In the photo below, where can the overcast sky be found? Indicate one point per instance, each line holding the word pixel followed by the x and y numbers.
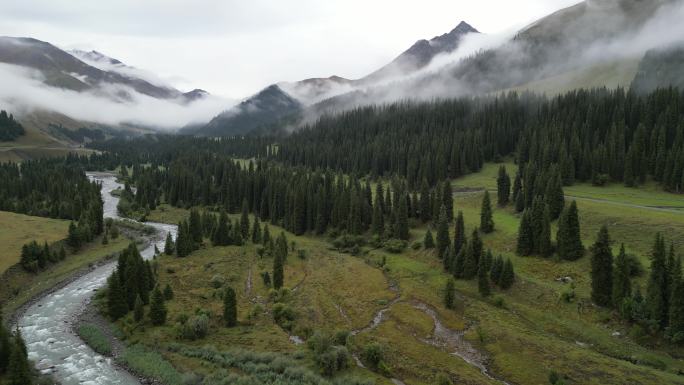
pixel 233 48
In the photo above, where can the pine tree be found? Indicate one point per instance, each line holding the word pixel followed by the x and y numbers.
pixel 18 368
pixel 117 306
pixel 544 237
pixel 497 269
pixel 73 237
pixel 220 237
pixel 448 200
pixel 195 228
pixel 401 224
pixel 158 310
pixel 602 269
pixel 517 190
pixel 168 292
pixel 568 237
pixel 281 246
pixel 622 286
pixel 483 281
pixel 554 195
pixel 443 240
pixel 459 261
pixel 256 230
pixel 676 316
pixel 425 211
pixel 138 309
pixel 486 221
pixel 503 187
pixel 459 233
pixel 244 220
pixel 229 307
pixel 525 244
pixel 5 345
pixel 378 222
pixel 428 242
pixel 278 270
pixel 266 237
pixel 470 262
pixel 450 294
pixel 507 275
pixel 656 292
pixel 520 202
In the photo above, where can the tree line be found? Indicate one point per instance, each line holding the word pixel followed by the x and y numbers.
pixel 10 129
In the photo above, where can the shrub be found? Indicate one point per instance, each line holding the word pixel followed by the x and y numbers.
pixel 194 328
pixel 301 253
pixel 373 355
pixel 636 269
pixel 499 302
pixel 283 315
pixel 342 337
pixel 416 245
pixel 329 357
pixel 395 246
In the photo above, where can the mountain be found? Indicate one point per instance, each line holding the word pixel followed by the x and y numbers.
pixel 660 68
pixel 421 54
pixel 291 98
pixel 260 111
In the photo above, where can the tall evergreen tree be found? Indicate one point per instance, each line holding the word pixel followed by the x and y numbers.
pixel 525 244
pixel 470 261
pixel 507 275
pixel 278 274
pixel 138 309
pixel 568 238
pixel 543 239
pixel 448 200
pixel 378 222
pixel 221 234
pixel 503 186
pixel 168 244
pixel 602 269
pixel 256 230
pixel 450 294
pixel 401 224
pixel 483 281
pixel 229 307
pixel 18 368
pixel 656 292
pixel 497 269
pixel 622 286
pixel 428 241
pixel 117 306
pixel 459 233
pixel 443 241
pixel 486 220
pixel 244 220
pixel 158 310
pixel 554 195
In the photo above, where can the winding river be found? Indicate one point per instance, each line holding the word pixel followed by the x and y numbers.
pixel 47 324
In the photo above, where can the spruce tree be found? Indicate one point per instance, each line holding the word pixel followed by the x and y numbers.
pixel 622 286
pixel 459 261
pixel 74 236
pixel 544 237
pixel 602 269
pixel 507 275
pixel 486 221
pixel 483 281
pixel 256 230
pixel 443 240
pixel 503 187
pixel 266 237
pixel 18 368
pixel 428 241
pixel 425 211
pixel 448 200
pixel 378 220
pixel 281 246
pixel 117 306
pixel 517 190
pixel 138 309
pixel 5 345
pixel 568 238
pixel 459 233
pixel 244 220
pixel 554 195
pixel 278 270
pixel 450 294
pixel 229 307
pixel 497 269
pixel 676 316
pixel 195 228
pixel 656 291
pixel 525 244
pixel 220 237
pixel 470 262
pixel 401 224
pixel 520 202
pixel 158 310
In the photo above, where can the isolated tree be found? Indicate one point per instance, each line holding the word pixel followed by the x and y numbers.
pixel 602 269
pixel 443 240
pixel 117 306
pixel 18 368
pixel 486 221
pixel 168 292
pixel 229 307
pixel 244 220
pixel 158 310
pixel 459 233
pixel 503 187
pixel 278 270
pixel 568 238
pixel 507 275
pixel 138 309
pixel 525 244
pixel 428 241
pixel 450 294
pixel 657 289
pixel 168 244
pixel 622 286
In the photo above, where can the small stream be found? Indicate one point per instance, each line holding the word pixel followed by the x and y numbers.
pixel 47 323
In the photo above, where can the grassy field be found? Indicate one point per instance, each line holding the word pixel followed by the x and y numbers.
pixel 19 229
pixel 521 334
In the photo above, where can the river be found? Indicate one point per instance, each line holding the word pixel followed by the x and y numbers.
pixel 47 324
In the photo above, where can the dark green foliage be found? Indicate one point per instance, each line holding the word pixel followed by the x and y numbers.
pixel 622 286
pixel 158 310
pixel 568 238
pixel 448 199
pixel 401 219
pixel 256 230
pixel 278 266
pixel 428 241
pixel 229 307
pixel 138 309
pixel 244 220
pixel 483 281
pixel 195 228
pixel 35 258
pixel 602 269
pixel 18 368
pixel 184 242
pixel 657 291
pixel 507 275
pixel 5 345
pixel 470 261
pixel 525 245
pixel 117 306
pixel 554 196
pixel 131 279
pixel 168 292
pixel 443 240
pixel 503 187
pixel 330 357
pixel 221 236
pixel 10 129
pixel 169 245
pixel 497 269
pixel 486 220
pixel 543 239
pixel 450 294
pixel 459 233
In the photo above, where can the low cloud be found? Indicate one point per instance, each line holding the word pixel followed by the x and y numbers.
pixel 24 90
